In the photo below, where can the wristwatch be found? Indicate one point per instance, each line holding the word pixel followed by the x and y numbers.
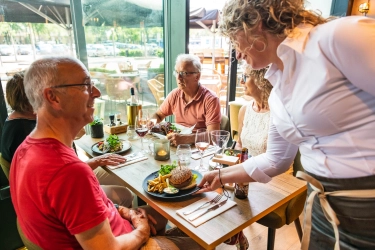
pixel 116 206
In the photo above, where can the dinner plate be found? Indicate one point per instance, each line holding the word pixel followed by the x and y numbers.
pixel 125 146
pixel 160 136
pixel 181 193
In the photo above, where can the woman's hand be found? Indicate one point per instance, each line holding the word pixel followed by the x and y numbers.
pixel 210 182
pixel 106 159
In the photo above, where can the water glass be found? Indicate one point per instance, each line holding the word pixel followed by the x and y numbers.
pixel 184 153
pixel 131 133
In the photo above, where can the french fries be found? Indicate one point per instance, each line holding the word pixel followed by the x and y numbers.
pixel 158 184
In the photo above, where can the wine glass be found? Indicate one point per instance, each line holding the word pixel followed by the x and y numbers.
pixel 183 153
pixel 220 139
pixel 141 127
pixel 202 141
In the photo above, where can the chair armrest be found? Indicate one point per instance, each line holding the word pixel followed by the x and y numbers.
pixel 4 193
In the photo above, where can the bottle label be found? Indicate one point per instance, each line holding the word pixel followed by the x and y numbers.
pixel 241 190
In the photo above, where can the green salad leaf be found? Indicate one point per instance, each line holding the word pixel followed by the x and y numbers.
pixel 166 169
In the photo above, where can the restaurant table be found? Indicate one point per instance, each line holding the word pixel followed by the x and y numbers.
pixel 262 198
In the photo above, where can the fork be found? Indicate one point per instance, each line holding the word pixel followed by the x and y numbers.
pixel 213 201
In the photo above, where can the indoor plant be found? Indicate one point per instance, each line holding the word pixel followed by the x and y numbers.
pixel 96 128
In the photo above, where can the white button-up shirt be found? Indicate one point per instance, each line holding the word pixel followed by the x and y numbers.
pixel 323 102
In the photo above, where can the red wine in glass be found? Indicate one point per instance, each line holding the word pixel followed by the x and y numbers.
pixel 141 131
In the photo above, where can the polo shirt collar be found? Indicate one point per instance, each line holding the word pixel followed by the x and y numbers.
pixel 297 42
pixel 197 95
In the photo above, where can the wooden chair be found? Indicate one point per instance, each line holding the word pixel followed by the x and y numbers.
pixel 144 66
pixel 287 213
pixel 9 236
pixel 234 109
pixel 157 89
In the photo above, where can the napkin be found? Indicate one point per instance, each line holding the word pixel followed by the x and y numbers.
pixel 209 151
pixel 129 162
pixel 208 216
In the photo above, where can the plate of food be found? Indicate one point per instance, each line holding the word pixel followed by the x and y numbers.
pixel 181 178
pixel 228 152
pixel 165 128
pixel 111 145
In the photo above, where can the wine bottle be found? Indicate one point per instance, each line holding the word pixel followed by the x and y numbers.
pixel 132 108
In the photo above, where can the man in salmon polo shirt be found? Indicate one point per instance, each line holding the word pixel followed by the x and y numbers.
pixel 190 102
pixel 57 198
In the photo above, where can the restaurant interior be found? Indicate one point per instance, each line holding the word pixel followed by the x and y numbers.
pixel 134 44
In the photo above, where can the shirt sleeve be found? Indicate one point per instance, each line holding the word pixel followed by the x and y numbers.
pixel 166 108
pixel 212 109
pixel 276 160
pixel 351 49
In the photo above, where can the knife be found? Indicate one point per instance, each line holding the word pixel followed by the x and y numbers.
pixel 207 210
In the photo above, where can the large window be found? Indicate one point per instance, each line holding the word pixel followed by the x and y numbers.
pixel 123 40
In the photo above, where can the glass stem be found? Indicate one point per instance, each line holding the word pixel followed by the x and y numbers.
pixel 201 164
pixel 142 142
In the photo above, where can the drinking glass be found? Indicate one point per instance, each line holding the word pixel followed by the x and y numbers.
pixel 220 139
pixel 141 127
pixel 202 141
pixel 183 153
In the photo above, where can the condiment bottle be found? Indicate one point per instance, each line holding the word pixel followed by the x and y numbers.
pixel 241 190
pixel 132 108
pixel 244 155
pixel 118 119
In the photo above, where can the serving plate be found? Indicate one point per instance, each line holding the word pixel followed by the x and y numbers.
pixel 181 193
pixel 126 145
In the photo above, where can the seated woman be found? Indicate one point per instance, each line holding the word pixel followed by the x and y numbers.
pixel 253 118
pixel 22 121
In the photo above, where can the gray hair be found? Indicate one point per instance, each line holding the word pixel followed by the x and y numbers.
pixel 193 59
pixel 41 74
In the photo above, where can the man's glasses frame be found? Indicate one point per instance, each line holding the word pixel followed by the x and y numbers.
pixel 89 86
pixel 183 74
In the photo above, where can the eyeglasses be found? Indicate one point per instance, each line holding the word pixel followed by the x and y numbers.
pixel 183 74
pixel 244 77
pixel 89 86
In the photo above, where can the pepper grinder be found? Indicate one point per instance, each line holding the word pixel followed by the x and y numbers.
pixel 112 120
pixel 118 120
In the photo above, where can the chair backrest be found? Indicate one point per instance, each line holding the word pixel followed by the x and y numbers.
pixel 30 245
pixel 234 109
pixel 224 124
pixel 5 165
pixel 157 89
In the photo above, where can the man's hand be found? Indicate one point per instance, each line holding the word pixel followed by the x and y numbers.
pixel 139 220
pixel 106 159
pixel 177 139
pixel 150 220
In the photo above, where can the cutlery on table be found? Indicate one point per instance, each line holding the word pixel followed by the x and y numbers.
pixel 214 200
pixel 208 210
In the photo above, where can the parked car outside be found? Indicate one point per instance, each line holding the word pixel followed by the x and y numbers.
pixel 25 49
pixel 59 49
pixel 110 51
pixel 95 50
pixel 6 50
pixel 44 49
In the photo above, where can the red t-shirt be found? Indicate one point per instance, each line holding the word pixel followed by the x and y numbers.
pixel 56 195
pixel 202 110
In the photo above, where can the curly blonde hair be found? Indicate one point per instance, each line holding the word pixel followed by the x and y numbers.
pixel 262 83
pixel 277 17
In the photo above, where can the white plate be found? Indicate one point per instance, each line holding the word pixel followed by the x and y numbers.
pixel 160 136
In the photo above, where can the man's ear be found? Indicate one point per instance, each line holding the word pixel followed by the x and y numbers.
pixel 51 98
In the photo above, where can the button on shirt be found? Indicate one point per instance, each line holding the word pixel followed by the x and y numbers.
pixel 323 101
